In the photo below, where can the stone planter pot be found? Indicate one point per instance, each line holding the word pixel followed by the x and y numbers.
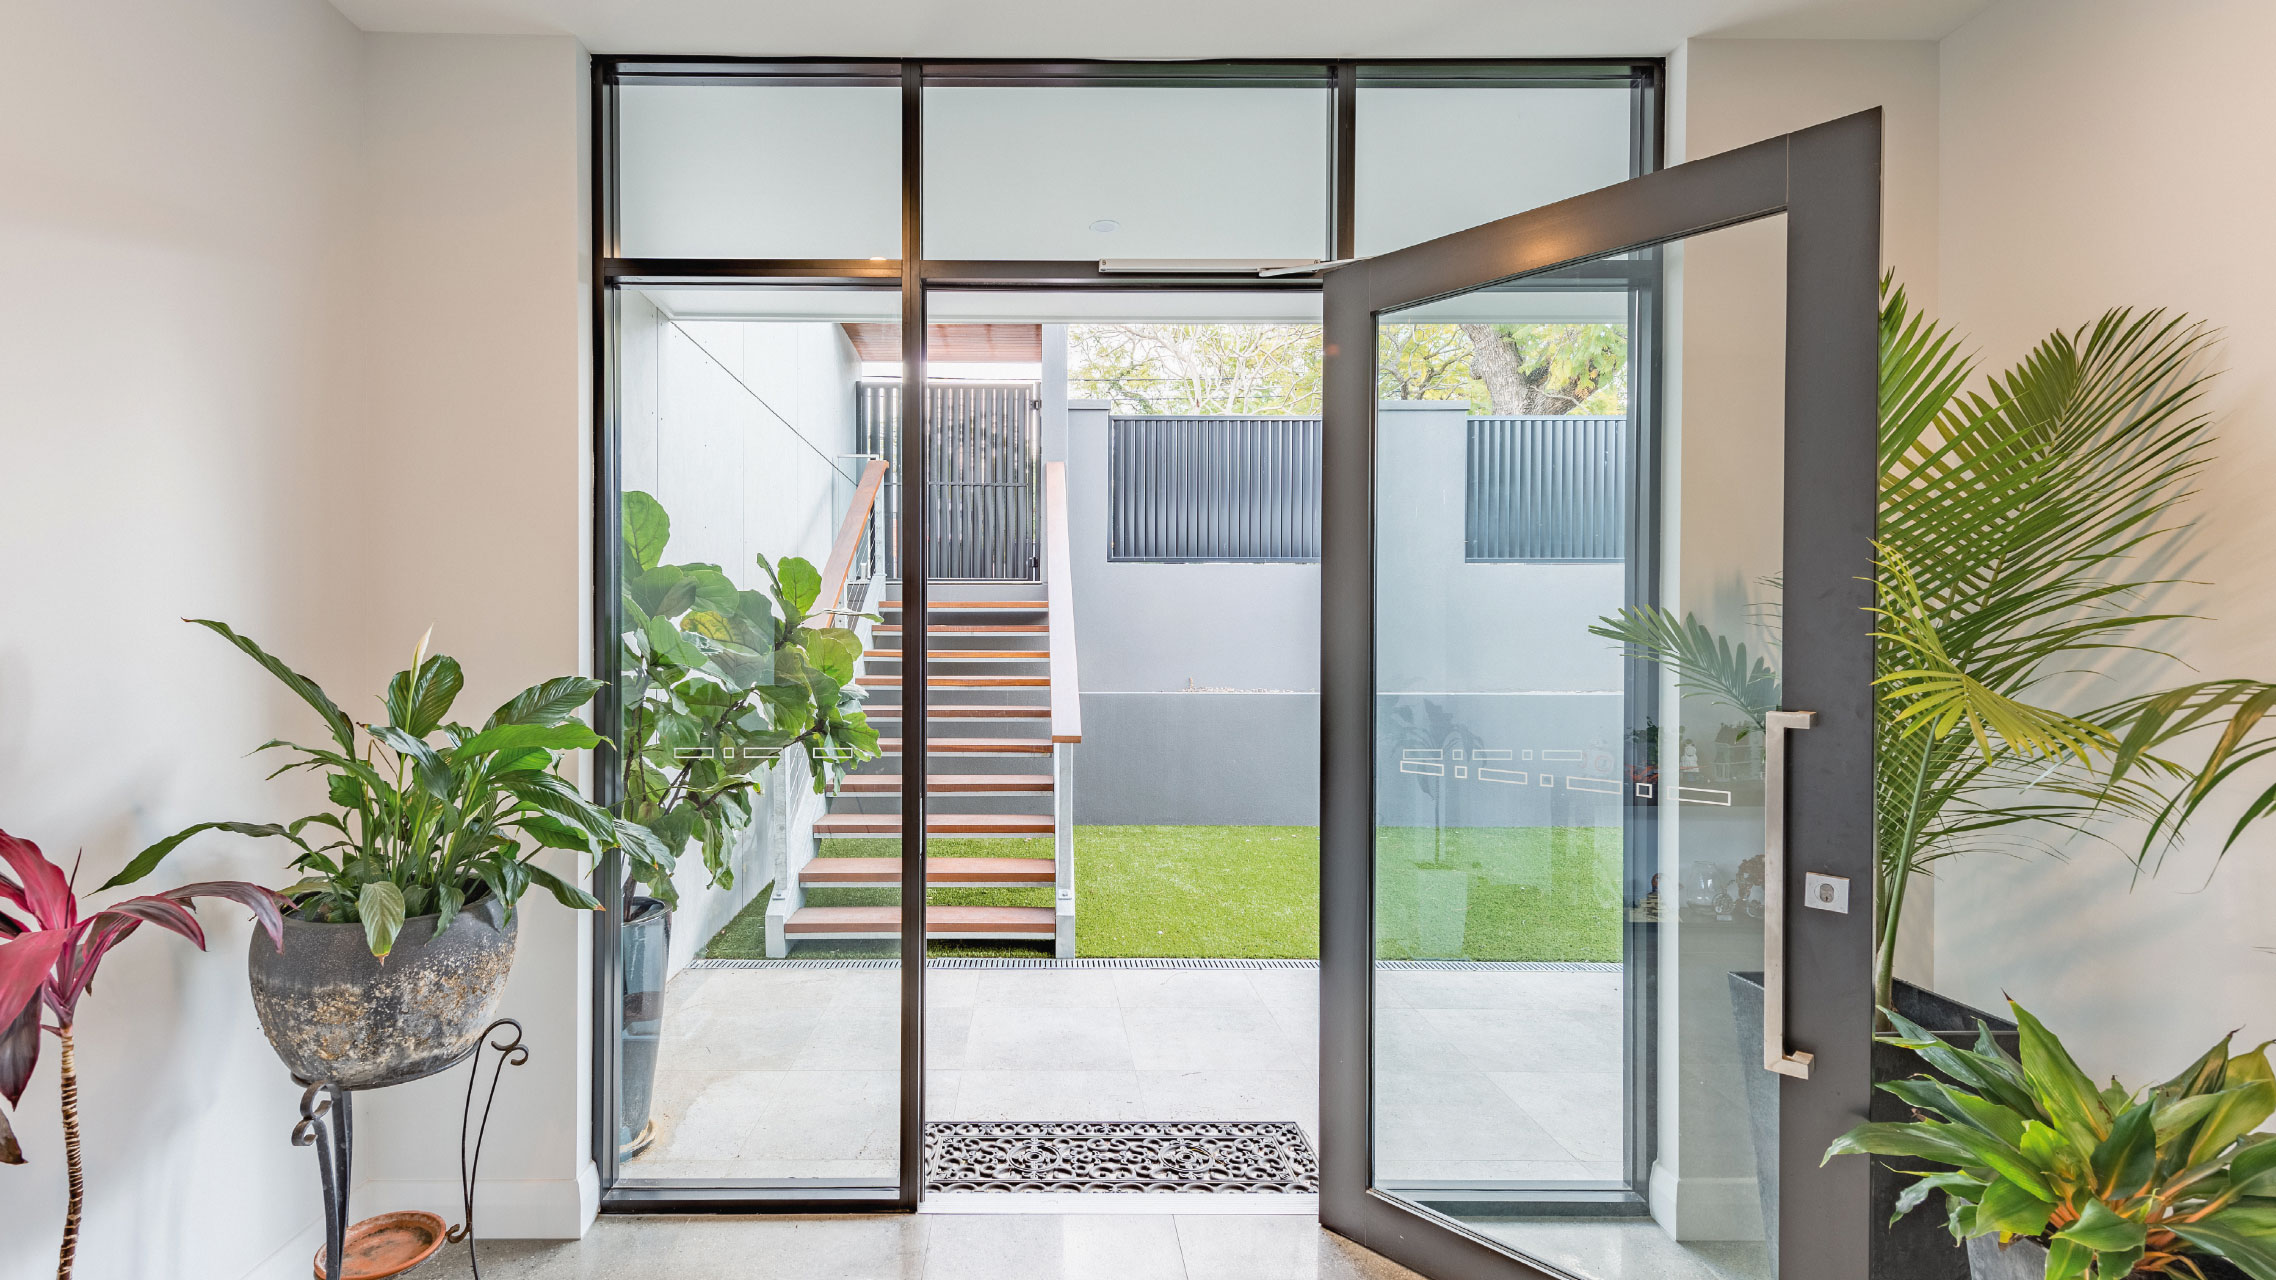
pixel 333 1011
pixel 646 949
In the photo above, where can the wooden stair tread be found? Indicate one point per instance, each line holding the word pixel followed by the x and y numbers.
pixel 1019 921
pixel 969 655
pixel 951 824
pixel 1007 711
pixel 860 784
pixel 944 746
pixel 963 682
pixel 949 871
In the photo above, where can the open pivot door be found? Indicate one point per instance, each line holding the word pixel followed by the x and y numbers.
pixel 1577 1016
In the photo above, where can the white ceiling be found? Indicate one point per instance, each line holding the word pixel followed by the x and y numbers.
pixel 1167 28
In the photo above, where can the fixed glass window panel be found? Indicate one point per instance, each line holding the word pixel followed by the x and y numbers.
pixel 1085 173
pixel 1434 160
pixel 747 504
pixel 758 171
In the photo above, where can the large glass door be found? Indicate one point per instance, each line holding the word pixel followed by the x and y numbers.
pixel 1596 699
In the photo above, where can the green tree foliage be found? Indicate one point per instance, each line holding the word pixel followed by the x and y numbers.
pixel 1274 369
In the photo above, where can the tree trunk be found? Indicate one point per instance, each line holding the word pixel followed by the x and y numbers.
pixel 1496 360
pixel 75 1175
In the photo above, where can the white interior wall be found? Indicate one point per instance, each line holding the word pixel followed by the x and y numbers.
pixel 175 422
pixel 2097 153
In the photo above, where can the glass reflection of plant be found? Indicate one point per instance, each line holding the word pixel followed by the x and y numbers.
pixel 718 683
pixel 2015 524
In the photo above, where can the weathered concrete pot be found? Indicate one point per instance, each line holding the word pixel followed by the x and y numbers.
pixel 333 1011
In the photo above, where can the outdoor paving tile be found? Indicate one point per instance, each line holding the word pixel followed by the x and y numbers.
pixel 1494 1040
pixel 1280 988
pixel 853 1039
pixel 1577 994
pixel 1609 1250
pixel 1193 1039
pixel 1582 1110
pixel 1048 1095
pixel 1185 989
pixel 1047 988
pixel 952 988
pixel 824 1115
pixel 948 1031
pixel 1233 1095
pixel 1053 1247
pixel 1410 1137
pixel 1439 1088
pixel 1010 1038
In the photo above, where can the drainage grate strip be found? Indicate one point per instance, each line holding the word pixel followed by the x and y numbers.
pixel 1155 962
pixel 1222 1156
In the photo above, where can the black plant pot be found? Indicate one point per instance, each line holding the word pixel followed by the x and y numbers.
pixel 333 1011
pixel 1918 1247
pixel 647 952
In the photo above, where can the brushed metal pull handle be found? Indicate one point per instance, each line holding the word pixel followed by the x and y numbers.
pixel 1774 1054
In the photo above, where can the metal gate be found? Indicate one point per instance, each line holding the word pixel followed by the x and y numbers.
pixel 984 487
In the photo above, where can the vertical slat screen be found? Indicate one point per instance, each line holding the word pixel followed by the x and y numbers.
pixel 1547 489
pixel 1213 488
pixel 984 493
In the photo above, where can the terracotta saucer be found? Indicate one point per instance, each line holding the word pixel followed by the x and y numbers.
pixel 387 1245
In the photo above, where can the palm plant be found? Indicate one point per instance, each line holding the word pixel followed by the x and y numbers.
pixel 2019 529
pixel 50 948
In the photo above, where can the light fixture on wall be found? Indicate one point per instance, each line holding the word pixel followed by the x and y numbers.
pixel 1105 225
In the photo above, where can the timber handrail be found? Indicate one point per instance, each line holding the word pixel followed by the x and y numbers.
pixel 1059 595
pixel 839 567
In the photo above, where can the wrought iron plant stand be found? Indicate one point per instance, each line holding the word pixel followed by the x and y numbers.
pixel 327 1123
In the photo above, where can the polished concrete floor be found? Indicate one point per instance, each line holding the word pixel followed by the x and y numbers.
pixel 1483 1073
pixel 933 1247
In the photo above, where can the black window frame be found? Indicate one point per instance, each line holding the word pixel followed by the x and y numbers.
pixel 914 275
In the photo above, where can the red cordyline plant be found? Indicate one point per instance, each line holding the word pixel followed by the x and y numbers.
pixel 49 951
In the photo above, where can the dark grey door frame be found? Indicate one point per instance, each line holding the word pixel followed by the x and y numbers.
pixel 1826 180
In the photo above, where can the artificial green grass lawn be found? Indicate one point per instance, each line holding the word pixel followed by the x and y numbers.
pixel 1522 893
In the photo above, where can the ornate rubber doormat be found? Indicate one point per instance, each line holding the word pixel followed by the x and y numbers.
pixel 1120 1155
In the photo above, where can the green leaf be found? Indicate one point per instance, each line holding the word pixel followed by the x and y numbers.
pixel 380 906
pixel 417 704
pixel 552 833
pixel 1957 1185
pixel 565 893
pixel 572 736
pixel 549 703
pixel 1941 1099
pixel 2046 1148
pixel 2254 1251
pixel 799 584
pixel 447 903
pixel 2202 1076
pixel 147 861
pixel 2068 1259
pixel 833 651
pixel 646 529
pixel 433 775
pixel 342 732
pixel 2125 1161
pixel 2101 1229
pixel 2012 1208
pixel 2235 1113
pixel 2252 1170
pixel 2064 1092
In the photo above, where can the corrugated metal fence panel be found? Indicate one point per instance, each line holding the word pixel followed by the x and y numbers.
pixel 1547 489
pixel 984 486
pixel 1213 488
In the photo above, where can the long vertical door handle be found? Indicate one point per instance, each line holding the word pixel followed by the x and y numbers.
pixel 1774 1054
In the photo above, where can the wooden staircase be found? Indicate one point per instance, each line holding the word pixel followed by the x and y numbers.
pixel 1003 717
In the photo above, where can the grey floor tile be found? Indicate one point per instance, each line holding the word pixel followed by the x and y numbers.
pixel 1231 1247
pixel 1048 1095
pixel 1175 1039
pixel 1011 1038
pixel 1053 1247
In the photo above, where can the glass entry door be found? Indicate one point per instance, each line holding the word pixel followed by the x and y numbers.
pixel 1596 698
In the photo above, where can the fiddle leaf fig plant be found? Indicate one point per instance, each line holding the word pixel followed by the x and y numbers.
pixel 719 682
pixel 2115 1182
pixel 427 815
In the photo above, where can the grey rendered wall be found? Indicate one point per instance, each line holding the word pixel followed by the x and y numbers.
pixel 1200 681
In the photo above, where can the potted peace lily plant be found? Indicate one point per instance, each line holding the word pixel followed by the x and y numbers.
pixel 2044 1175
pixel 400 933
